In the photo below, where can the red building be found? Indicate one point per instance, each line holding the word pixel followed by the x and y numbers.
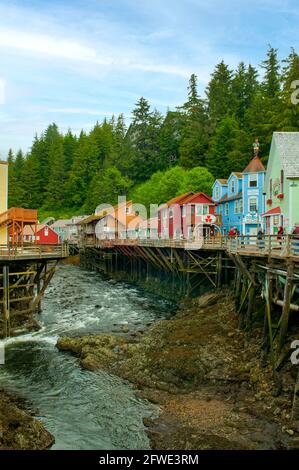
pixel 180 217
pixel 44 235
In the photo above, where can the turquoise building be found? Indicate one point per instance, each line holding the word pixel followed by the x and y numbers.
pixel 240 199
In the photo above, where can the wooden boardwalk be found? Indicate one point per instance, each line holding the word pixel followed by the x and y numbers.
pixel 25 273
pixel 33 252
pixel 270 246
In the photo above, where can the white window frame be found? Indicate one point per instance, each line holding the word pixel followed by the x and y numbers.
pixel 205 209
pixel 184 211
pixel 236 206
pixel 170 212
pixel 233 186
pixel 217 194
pixel 249 203
pixel 241 206
pixel 198 209
pixel 226 209
pixel 253 177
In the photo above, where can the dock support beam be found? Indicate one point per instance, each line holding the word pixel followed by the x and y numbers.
pixel 6 302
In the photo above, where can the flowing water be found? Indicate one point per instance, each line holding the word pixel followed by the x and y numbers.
pixel 82 409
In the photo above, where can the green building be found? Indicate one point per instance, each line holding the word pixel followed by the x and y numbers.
pixel 282 183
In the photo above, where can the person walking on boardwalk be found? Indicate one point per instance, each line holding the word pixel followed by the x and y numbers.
pixel 260 238
pixel 279 234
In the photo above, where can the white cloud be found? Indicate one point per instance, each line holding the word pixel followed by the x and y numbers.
pixel 47 45
pixel 70 49
pixel 83 111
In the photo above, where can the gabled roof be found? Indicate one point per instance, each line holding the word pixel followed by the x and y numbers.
pixel 222 180
pixel 255 166
pixel 29 229
pixel 198 195
pixel 275 210
pixel 287 144
pixel 179 199
pixel 238 174
pixel 60 223
pixel 109 210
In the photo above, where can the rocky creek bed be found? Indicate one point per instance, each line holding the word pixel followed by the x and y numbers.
pixel 19 430
pixel 205 374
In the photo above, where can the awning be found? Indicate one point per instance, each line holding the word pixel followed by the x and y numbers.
pixel 274 211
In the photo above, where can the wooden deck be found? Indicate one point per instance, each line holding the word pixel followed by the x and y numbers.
pixel 270 246
pixel 33 252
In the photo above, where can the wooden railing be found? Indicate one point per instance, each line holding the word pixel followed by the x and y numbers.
pixel 33 251
pixel 274 245
pixel 270 245
pixel 18 214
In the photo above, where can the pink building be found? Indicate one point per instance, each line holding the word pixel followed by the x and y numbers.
pixel 183 215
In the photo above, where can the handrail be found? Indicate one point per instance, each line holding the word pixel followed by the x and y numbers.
pixel 266 245
pixel 40 251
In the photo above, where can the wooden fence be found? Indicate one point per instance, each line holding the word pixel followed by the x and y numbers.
pixel 8 252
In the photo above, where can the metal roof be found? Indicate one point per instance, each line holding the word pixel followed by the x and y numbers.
pixel 287 144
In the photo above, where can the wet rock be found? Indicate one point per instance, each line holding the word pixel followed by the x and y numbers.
pixel 95 352
pixel 18 429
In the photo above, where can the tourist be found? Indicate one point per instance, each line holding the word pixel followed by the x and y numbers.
pixel 279 234
pixel 260 238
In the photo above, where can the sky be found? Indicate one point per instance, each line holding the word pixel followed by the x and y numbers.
pixel 74 62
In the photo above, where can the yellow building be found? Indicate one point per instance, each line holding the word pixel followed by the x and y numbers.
pixel 3 198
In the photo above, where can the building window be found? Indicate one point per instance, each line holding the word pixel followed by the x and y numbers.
pixel 226 209
pixel 232 186
pixel 170 212
pixel 217 192
pixel 199 209
pixel 236 207
pixel 165 214
pixel 281 181
pixel 253 204
pixel 184 211
pixel 241 206
pixel 252 182
pixel 46 231
pixel 276 220
pixel 271 188
pixel 205 209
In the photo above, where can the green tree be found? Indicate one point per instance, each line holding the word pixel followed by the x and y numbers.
pixel 271 81
pixel 219 94
pixel 222 143
pixel 55 190
pixel 194 143
pixel 170 137
pixel 86 164
pixel 105 188
pixel 288 118
pixel 142 143
pixel 198 179
pixel 244 88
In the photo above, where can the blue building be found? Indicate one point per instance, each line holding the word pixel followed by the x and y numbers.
pixel 240 199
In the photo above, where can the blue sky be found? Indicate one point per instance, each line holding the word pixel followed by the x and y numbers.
pixel 74 62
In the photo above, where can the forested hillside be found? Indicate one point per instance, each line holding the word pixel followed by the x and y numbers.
pixel 157 156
